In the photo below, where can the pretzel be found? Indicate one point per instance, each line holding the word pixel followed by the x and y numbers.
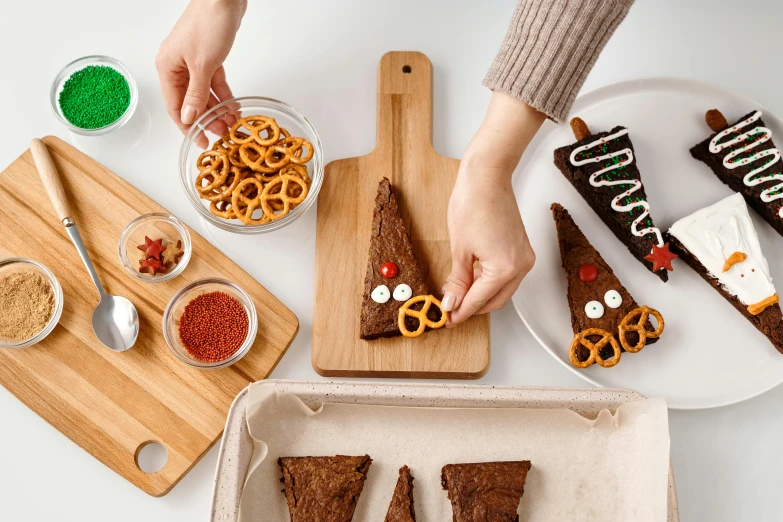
pixel 421 315
pixel 214 168
pixel 294 147
pixel 224 191
pixel 222 209
pixel 252 155
pixel 277 157
pixel 581 339
pixel 244 204
pixel 580 129
pixel 256 125
pixel 284 195
pixel 295 169
pixel 639 327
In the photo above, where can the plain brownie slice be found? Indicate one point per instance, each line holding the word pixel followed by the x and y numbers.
pixel 323 489
pixel 401 506
pixel 485 491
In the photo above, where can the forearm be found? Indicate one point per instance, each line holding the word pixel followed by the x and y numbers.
pixel 508 128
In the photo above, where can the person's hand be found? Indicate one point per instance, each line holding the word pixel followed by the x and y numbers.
pixel 190 61
pixel 484 220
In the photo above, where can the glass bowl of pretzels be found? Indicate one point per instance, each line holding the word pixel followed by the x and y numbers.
pixel 251 165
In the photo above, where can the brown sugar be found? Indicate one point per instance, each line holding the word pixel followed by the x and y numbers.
pixel 26 305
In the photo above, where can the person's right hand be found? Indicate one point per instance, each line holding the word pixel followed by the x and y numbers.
pixel 190 61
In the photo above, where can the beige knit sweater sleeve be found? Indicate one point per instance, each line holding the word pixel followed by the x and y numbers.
pixel 550 47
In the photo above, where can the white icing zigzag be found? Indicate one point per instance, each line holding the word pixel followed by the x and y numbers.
pixel 769 194
pixel 635 183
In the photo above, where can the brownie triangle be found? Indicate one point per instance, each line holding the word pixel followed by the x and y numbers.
pixel 735 177
pixel 607 151
pixel 591 281
pixel 389 243
pixel 323 489
pixel 401 506
pixel 707 241
pixel 485 491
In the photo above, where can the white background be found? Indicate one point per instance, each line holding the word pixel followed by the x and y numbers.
pixel 321 57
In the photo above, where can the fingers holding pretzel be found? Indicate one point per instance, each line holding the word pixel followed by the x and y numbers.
pixel 421 315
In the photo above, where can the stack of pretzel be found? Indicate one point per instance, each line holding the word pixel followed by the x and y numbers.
pixel 255 173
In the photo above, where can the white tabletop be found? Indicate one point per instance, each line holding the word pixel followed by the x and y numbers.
pixel 726 461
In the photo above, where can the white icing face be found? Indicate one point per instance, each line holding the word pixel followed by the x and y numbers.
pixel 380 294
pixel 613 299
pixel 403 292
pixel 594 310
pixel 713 234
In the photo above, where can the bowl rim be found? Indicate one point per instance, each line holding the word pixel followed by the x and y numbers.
pixel 186 243
pixel 301 209
pixel 252 330
pixel 58 303
pixel 115 64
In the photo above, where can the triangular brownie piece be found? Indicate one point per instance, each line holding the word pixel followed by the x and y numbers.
pixel 485 491
pixel 720 243
pixel 760 163
pixel 401 506
pixel 596 296
pixel 393 274
pixel 323 489
pixel 602 167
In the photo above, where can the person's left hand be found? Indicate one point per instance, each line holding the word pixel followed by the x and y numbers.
pixel 484 226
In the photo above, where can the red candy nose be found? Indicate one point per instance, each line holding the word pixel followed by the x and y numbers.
pixel 388 270
pixel 588 273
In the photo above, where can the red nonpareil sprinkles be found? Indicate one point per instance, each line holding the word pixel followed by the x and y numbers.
pixel 213 327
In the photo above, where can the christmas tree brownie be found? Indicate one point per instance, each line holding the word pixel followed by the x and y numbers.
pixel 720 243
pixel 401 505
pixel 485 491
pixel 602 310
pixel 743 156
pixel 603 170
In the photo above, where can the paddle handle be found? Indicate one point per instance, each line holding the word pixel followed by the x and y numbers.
pixel 51 179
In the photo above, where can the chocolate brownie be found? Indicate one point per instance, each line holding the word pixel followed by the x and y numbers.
pixel 485 491
pixel 323 489
pixel 734 178
pixel 600 197
pixel 389 243
pixel 767 322
pixel 401 506
pixel 589 280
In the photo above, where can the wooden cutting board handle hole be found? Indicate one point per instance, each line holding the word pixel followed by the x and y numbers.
pixel 151 456
pixel 406 69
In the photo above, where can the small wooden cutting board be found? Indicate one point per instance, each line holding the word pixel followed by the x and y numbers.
pixel 113 404
pixel 422 180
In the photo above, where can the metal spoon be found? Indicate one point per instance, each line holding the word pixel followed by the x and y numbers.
pixel 115 320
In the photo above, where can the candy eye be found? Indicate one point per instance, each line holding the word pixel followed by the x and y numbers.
pixel 594 310
pixel 403 292
pixel 613 299
pixel 381 294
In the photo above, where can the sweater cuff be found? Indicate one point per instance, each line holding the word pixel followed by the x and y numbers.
pixel 550 47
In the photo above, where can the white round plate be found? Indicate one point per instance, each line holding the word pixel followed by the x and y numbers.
pixel 709 355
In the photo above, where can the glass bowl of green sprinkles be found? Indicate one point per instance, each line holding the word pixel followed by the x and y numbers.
pixel 94 95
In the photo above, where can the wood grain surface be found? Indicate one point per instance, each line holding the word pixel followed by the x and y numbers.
pixel 422 180
pixel 112 404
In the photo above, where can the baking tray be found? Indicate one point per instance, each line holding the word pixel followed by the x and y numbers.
pixel 236 446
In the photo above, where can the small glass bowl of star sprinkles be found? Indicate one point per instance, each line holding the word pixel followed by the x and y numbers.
pixel 155 248
pixel 94 95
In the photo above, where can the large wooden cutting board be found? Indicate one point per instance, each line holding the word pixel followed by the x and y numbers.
pixel 422 180
pixel 112 404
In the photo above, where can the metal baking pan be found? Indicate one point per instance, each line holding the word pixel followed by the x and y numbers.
pixel 236 446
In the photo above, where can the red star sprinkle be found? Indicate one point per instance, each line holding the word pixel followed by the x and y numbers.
pixel 152 249
pixel 151 266
pixel 661 257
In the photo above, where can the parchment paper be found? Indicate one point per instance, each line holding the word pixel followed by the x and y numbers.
pixel 614 468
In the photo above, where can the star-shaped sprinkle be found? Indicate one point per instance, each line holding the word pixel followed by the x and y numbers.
pixel 661 257
pixel 152 249
pixel 173 253
pixel 151 266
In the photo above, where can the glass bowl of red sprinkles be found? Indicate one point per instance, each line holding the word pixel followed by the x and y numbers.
pixel 210 324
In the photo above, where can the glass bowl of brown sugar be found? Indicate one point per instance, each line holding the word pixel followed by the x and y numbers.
pixel 31 302
pixel 210 324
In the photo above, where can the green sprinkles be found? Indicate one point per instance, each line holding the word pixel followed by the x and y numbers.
pixel 94 97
